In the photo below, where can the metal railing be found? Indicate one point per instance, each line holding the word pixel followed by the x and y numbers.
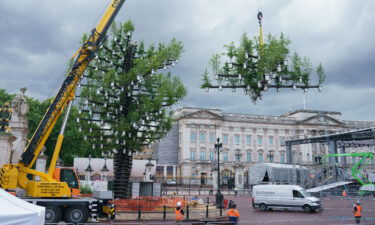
pixel 201 191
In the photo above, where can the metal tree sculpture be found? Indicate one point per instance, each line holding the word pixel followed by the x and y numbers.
pixel 256 66
pixel 125 102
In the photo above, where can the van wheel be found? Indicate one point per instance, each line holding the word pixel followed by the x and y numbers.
pixel 307 208
pixel 76 214
pixel 52 214
pixel 263 207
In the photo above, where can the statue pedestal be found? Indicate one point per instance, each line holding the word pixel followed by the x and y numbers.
pixel 6 145
pixel 239 177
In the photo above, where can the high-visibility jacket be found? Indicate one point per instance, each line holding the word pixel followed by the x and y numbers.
pixel 344 193
pixel 358 211
pixel 179 215
pixel 233 214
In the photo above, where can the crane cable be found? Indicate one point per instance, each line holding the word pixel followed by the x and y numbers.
pixel 260 17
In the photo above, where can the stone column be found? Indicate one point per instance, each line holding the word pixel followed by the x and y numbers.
pixel 165 171
pixel 40 164
pixel 174 172
pixel 6 144
pixel 239 177
pixel 289 154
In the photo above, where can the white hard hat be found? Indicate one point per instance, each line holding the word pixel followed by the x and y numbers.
pixel 179 204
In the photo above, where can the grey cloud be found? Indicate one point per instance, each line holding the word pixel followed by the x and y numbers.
pixel 40 36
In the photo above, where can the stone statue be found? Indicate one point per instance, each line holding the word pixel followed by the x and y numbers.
pixel 19 104
pixel 18 124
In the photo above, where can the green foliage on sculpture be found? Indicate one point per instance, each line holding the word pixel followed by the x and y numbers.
pixel 125 102
pixel 255 68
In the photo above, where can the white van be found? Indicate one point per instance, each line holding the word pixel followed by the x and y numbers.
pixel 283 196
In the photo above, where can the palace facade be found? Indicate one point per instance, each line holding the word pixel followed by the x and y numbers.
pixel 189 148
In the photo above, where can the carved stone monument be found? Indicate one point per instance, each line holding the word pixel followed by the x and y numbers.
pixel 6 140
pixel 19 125
pixel 239 176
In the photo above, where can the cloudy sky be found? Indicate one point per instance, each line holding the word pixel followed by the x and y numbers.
pixel 39 36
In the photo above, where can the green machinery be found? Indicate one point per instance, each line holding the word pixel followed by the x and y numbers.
pixel 357 169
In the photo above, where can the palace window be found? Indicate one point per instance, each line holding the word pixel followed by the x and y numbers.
pixel 260 140
pixel 282 157
pixel 270 156
pixel 270 140
pixel 237 139
pixel 248 156
pixel 225 139
pixel 193 137
pixel 212 137
pixel 203 156
pixel 192 155
pixel 260 157
pixel 248 139
pixel 282 140
pixel 202 137
pixel 212 156
pixel 225 156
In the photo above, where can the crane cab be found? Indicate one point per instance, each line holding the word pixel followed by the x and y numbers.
pixel 69 176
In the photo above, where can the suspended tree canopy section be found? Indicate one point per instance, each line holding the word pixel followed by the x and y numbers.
pixel 256 67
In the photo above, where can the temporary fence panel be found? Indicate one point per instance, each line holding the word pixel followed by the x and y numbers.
pixel 148 203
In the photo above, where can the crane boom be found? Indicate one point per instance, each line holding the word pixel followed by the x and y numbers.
pixel 66 92
pixel 356 169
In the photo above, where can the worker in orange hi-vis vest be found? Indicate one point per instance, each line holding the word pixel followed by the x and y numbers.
pixel 344 194
pixel 233 214
pixel 179 212
pixel 357 212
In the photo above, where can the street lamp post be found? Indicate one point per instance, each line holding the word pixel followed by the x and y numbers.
pixel 218 196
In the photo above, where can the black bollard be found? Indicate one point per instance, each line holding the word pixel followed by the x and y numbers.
pixel 139 212
pixel 187 212
pixel 206 211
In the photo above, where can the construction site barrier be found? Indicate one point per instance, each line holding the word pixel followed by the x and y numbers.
pixel 148 203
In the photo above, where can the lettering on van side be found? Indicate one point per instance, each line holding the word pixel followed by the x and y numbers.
pixel 265 192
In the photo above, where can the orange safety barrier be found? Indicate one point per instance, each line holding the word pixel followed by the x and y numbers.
pixel 148 203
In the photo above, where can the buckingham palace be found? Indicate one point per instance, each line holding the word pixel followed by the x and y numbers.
pixel 189 148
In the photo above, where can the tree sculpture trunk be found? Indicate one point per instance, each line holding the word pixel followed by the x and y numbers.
pixel 122 169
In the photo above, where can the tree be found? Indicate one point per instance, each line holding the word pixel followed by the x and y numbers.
pixel 256 67
pixel 125 103
pixel 5 97
pixel 73 144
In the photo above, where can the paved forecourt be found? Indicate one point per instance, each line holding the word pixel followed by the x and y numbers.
pixel 336 211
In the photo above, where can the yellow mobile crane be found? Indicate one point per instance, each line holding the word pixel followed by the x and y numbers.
pixel 55 190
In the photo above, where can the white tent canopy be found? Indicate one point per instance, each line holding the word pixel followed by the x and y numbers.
pixel 274 172
pixel 15 211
